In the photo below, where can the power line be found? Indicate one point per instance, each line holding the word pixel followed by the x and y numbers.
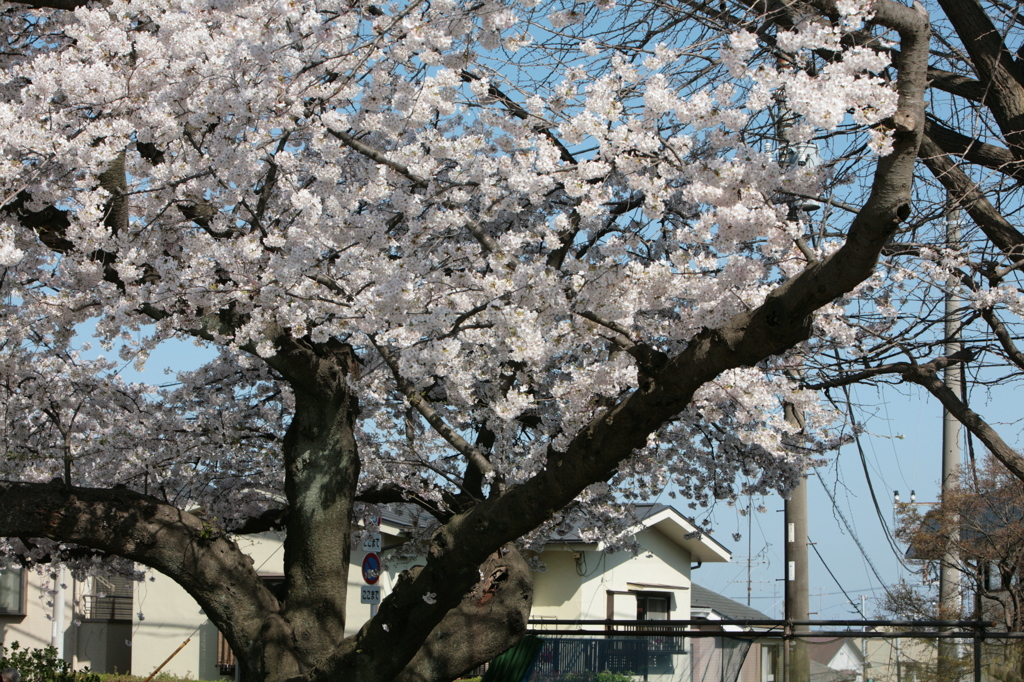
pixel 871 489
pixel 852 532
pixel 822 560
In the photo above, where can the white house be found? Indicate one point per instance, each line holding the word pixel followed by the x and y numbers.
pixel 585 582
pixel 835 660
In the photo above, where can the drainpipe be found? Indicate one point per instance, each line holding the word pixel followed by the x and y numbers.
pixel 57 629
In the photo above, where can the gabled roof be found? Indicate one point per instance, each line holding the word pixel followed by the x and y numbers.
pixel 825 650
pixel 397 518
pixel 670 523
pixel 683 532
pixel 728 609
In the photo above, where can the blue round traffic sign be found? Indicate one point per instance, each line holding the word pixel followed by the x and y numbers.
pixel 371 568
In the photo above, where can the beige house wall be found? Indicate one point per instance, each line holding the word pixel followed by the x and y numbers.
pixel 34 629
pixel 557 591
pixel 614 580
pixel 897 660
pixel 171 616
pixel 99 645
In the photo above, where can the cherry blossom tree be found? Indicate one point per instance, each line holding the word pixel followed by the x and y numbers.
pixel 518 264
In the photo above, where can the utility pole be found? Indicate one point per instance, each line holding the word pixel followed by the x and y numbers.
pixel 949 573
pixel 797 581
pixel 796 659
pixel 750 545
pixel 797 595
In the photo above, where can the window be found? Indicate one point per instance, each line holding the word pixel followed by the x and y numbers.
pixel 12 592
pixel 993 579
pixel 109 599
pixel 654 606
pixel 225 656
pixel 771 662
pixel 660 646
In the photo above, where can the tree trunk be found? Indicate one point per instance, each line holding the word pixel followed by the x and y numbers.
pixel 321 471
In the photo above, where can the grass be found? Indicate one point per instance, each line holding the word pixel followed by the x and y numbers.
pixel 162 677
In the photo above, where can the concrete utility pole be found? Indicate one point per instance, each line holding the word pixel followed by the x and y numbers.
pixel 797 607
pixel 797 580
pixel 796 660
pixel 949 574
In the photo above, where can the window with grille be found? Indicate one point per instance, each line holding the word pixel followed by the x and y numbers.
pixel 109 599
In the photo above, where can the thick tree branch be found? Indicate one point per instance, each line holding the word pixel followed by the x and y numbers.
pixel 321 464
pixel 972 150
pixel 956 84
pixel 390 493
pixel 1004 235
pixel 935 365
pixel 271 519
pixel 994 66
pixel 194 553
pixel 927 376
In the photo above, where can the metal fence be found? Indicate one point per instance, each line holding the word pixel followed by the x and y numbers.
pixel 776 651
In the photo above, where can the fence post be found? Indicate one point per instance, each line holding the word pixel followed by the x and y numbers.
pixel 979 637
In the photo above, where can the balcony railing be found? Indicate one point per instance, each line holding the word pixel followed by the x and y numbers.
pixel 115 608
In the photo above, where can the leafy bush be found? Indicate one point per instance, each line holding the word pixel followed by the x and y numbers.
pixel 608 676
pixel 42 665
pixel 604 676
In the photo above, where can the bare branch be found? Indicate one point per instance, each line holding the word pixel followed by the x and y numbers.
pixel 927 377
pixel 379 156
pixel 1005 338
pixel 1004 235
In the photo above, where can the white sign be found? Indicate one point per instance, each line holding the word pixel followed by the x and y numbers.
pixel 369 594
pixel 371 542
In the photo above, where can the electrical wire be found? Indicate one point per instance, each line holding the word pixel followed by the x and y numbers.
pixel 853 533
pixel 835 579
pixel 871 489
pixel 892 441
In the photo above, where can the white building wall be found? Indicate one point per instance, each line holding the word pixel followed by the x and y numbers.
pixel 170 615
pixel 662 563
pixel 34 628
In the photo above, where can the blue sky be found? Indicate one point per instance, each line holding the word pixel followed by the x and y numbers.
pixel 903 452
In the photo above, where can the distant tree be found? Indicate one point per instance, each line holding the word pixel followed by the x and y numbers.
pixel 982 521
pixel 979 528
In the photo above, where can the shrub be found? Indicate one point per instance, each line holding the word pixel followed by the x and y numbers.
pixel 42 665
